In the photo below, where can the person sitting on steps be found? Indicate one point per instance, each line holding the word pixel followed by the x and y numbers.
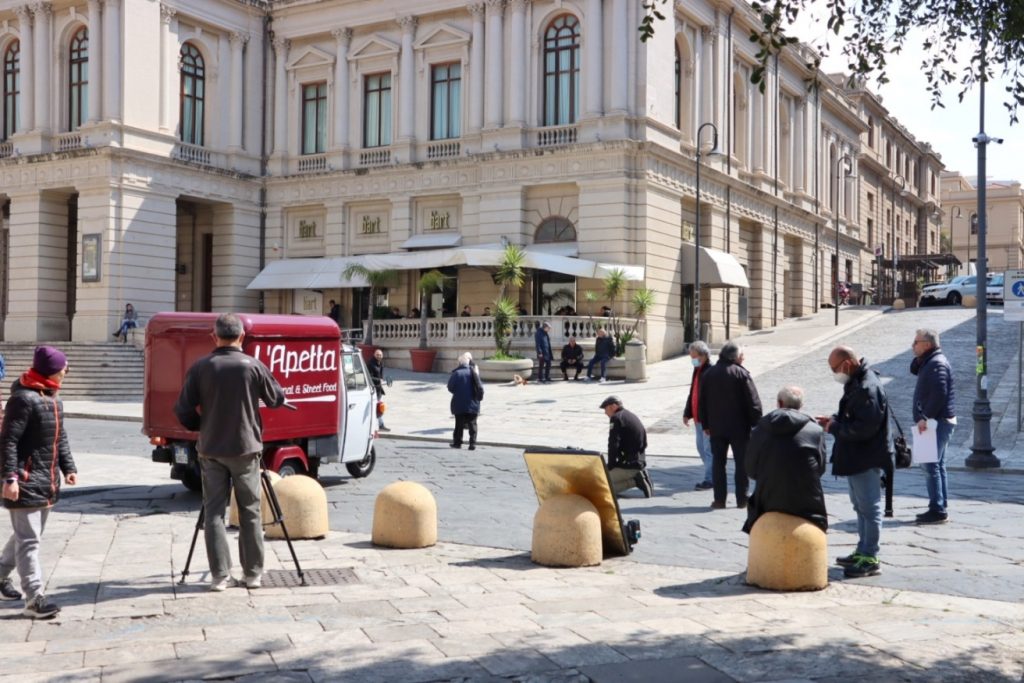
pixel 129 322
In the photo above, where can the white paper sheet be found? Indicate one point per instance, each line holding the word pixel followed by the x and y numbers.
pixel 926 445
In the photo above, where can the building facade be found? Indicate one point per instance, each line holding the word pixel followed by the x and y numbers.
pixel 220 154
pixel 1004 233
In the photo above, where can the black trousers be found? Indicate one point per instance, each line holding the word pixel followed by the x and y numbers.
pixel 719 451
pixel 576 364
pixel 543 368
pixel 461 423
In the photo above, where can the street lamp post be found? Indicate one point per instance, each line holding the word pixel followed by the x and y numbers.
pixel 902 182
pixel 696 231
pixel 955 212
pixel 982 451
pixel 972 229
pixel 842 162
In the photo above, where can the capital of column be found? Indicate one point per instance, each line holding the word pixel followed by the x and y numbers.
pixel 518 5
pixel 238 38
pixel 408 24
pixel 281 46
pixel 342 35
pixel 167 14
pixel 44 8
pixel 476 9
pixel 709 34
pixel 24 13
pixel 495 6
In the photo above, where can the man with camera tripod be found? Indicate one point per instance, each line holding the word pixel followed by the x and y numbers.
pixel 220 398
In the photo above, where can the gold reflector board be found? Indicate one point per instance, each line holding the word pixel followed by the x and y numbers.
pixel 559 471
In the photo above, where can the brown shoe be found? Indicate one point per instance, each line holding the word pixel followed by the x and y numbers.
pixel 718 505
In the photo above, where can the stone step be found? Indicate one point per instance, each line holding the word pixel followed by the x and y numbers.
pixel 98 370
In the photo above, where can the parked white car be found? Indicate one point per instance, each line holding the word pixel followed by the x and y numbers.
pixel 994 289
pixel 951 292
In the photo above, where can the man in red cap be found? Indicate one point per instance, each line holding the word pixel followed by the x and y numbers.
pixel 33 446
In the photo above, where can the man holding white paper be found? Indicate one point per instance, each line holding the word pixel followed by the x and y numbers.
pixel 933 410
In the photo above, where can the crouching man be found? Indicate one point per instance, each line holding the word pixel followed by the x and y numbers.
pixel 627 442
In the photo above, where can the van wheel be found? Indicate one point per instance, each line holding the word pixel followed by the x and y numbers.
pixel 290 468
pixel 954 298
pixel 363 467
pixel 192 478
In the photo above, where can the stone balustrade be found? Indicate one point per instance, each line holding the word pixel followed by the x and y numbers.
pixel 478 331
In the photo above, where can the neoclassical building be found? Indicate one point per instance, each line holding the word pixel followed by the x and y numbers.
pixel 230 154
pixel 1004 234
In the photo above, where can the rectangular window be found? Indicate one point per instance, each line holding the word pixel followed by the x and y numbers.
pixel 871 232
pixel 446 101
pixel 871 201
pixel 314 118
pixel 377 110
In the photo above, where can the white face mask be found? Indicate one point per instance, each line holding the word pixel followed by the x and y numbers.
pixel 841 377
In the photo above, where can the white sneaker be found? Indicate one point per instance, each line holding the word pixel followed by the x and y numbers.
pixel 253 582
pixel 602 380
pixel 221 583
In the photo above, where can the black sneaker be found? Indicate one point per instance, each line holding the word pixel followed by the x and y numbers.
pixel 865 566
pixel 932 517
pixel 704 486
pixel 643 481
pixel 8 591
pixel 848 560
pixel 39 608
pixel 455 445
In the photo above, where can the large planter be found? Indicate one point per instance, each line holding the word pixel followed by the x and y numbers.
pixel 367 351
pixel 422 359
pixel 503 370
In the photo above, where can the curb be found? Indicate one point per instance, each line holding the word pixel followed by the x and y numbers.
pixel 100 416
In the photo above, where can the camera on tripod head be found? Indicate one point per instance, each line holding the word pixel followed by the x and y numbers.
pixel 632 529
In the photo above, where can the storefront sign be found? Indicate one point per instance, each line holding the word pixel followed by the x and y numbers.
pixel 371 225
pixel 440 220
pixel 307 229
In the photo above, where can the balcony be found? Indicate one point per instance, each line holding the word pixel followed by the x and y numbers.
pixel 65 142
pixel 6 149
pixel 444 149
pixel 312 163
pixel 193 154
pixel 378 156
pixel 552 136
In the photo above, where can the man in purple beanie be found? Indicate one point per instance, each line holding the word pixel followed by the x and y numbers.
pixel 33 446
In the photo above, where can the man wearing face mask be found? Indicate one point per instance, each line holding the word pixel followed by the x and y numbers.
pixel 862 450
pixel 700 357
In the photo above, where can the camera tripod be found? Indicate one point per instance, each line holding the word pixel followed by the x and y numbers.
pixel 278 518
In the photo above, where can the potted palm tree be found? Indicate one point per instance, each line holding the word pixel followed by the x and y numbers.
pixel 503 365
pixel 422 357
pixel 376 279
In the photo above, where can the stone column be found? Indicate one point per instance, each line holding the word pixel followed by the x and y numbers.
pixel 27 100
pixel 757 136
pixel 798 135
pixel 517 65
pixel 238 41
pixel 342 38
pixel 476 70
pixel 168 65
pixel 593 59
pixel 495 57
pixel 44 48
pixel 96 57
pixel 707 76
pixel 407 80
pixel 281 46
pixel 111 60
pixel 619 101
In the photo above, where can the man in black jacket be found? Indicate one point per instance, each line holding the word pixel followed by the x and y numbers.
pixel 34 453
pixel 604 351
pixel 728 408
pixel 862 450
pixel 227 386
pixel 627 442
pixel 572 357
pixel 786 457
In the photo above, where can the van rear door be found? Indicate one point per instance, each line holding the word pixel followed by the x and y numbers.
pixel 360 408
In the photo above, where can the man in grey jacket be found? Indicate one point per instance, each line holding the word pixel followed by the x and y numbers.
pixel 226 388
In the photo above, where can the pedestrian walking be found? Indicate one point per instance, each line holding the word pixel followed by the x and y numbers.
pixel 335 312
pixel 467 392
pixel 700 357
pixel 728 408
pixel 627 444
pixel 377 377
pixel 542 344
pixel 220 399
pixel 933 409
pixel 35 454
pixel 604 351
pixel 861 452
pixel 786 457
pixel 572 357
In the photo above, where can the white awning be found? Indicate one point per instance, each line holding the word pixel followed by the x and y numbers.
pixel 438 241
pixel 326 273
pixel 559 248
pixel 717 268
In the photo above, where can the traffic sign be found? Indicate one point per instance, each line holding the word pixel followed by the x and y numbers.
pixel 1013 296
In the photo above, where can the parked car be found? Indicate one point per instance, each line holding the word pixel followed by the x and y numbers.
pixel 951 292
pixel 994 289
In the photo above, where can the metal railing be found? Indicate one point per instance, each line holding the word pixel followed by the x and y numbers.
pixel 557 135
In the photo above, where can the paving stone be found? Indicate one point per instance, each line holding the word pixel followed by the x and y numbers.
pixel 516 662
pixel 668 670
pixel 193 668
pixel 130 655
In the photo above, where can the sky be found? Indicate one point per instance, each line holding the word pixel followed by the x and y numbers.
pixel 948 130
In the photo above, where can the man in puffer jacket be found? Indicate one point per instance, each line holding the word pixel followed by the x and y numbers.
pixel 33 447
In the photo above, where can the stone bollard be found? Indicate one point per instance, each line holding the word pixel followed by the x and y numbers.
pixel 266 514
pixel 969 301
pixel 405 516
pixel 566 533
pixel 636 361
pixel 899 304
pixel 787 553
pixel 303 506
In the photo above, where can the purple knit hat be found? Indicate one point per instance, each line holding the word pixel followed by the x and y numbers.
pixel 48 360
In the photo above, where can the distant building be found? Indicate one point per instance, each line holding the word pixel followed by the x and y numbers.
pixel 1004 234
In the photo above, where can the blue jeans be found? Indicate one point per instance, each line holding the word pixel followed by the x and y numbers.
pixel 604 365
pixel 935 472
pixel 704 450
pixel 866 496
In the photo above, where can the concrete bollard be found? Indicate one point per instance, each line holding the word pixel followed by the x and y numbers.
pixel 303 506
pixel 636 361
pixel 405 516
pixel 787 553
pixel 266 514
pixel 899 304
pixel 566 533
pixel 969 301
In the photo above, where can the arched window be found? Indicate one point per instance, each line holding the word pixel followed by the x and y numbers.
pixel 193 95
pixel 12 88
pixel 561 71
pixel 555 229
pixel 78 79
